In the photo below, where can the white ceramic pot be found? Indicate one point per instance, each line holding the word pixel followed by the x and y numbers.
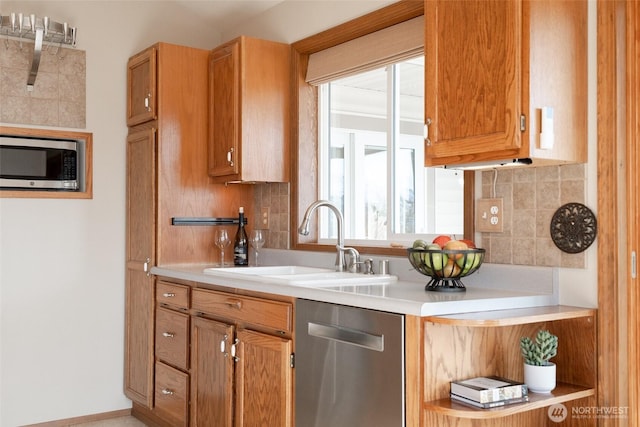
pixel 540 379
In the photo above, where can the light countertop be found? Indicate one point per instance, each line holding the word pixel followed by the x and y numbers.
pixel 403 296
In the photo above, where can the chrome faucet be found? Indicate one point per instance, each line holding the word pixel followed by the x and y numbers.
pixel 341 264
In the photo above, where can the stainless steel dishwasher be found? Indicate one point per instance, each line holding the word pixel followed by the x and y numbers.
pixel 349 366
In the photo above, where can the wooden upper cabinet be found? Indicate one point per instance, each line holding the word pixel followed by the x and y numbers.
pixel 249 91
pixel 224 85
pixel 141 88
pixel 490 70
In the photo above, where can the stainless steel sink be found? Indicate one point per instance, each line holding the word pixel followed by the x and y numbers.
pixel 296 275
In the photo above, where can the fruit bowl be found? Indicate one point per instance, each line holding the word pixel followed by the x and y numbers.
pixel 446 266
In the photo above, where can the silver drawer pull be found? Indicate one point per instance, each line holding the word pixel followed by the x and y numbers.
pixel 168 334
pixel 347 336
pixel 168 295
pixel 167 392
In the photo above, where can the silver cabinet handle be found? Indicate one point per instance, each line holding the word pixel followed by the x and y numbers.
pixel 168 295
pixel 147 102
pixel 230 156
pixel 167 392
pixel 426 131
pixel 145 266
pixel 234 350
pixel 168 334
pixel 223 346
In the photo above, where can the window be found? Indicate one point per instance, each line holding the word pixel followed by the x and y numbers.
pixel 361 141
pixel 371 155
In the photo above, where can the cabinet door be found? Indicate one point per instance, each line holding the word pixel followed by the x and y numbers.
pixel 263 380
pixel 141 88
pixel 211 373
pixel 140 254
pixel 224 123
pixel 472 79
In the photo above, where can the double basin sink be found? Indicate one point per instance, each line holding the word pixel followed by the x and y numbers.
pixel 297 275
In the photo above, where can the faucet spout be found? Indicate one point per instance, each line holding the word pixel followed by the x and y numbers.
pixel 303 229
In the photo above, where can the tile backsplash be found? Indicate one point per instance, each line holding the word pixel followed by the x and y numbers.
pixel 531 196
pixel 59 94
pixel 275 196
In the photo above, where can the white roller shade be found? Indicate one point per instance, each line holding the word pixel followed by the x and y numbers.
pixel 393 44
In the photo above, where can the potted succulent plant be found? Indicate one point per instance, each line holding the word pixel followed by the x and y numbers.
pixel 539 372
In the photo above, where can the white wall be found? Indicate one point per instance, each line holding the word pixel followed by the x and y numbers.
pixel 580 286
pixel 62 261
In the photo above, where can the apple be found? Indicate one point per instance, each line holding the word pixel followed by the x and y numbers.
pixel 469 243
pixel 456 245
pixel 441 240
pixel 451 270
pixel 468 263
pixel 434 259
pixel 419 244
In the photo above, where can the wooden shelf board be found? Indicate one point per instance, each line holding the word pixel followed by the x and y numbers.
pixel 562 393
pixel 516 316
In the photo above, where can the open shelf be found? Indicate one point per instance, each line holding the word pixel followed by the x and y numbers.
pixel 519 316
pixel 562 393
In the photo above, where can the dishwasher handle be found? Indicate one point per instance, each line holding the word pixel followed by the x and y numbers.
pixel 346 335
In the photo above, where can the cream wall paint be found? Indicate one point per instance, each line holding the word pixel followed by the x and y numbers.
pixel 293 20
pixel 580 286
pixel 62 261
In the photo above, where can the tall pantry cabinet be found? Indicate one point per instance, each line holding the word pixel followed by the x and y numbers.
pixel 167 177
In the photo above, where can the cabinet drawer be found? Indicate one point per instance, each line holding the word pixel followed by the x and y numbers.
pixel 260 312
pixel 172 337
pixel 172 294
pixel 172 394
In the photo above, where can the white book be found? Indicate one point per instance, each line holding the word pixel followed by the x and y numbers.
pixel 489 389
pixel 489 405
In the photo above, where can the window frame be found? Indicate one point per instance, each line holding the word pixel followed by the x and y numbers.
pixel 304 156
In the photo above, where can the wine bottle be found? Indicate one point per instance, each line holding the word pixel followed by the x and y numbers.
pixel 241 243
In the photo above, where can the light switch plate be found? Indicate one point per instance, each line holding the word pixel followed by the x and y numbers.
pixel 489 216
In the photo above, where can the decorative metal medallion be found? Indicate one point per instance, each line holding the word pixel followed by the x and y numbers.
pixel 573 228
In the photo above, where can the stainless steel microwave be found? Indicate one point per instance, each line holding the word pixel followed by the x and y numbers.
pixel 40 163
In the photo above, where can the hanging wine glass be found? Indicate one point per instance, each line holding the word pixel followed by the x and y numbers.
pixel 222 241
pixel 256 240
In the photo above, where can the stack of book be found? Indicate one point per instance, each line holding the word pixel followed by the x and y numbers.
pixel 488 392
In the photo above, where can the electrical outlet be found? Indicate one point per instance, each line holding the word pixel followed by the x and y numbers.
pixel 489 216
pixel 264 218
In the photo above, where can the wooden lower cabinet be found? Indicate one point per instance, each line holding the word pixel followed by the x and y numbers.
pixel 211 374
pixel 239 376
pixel 263 380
